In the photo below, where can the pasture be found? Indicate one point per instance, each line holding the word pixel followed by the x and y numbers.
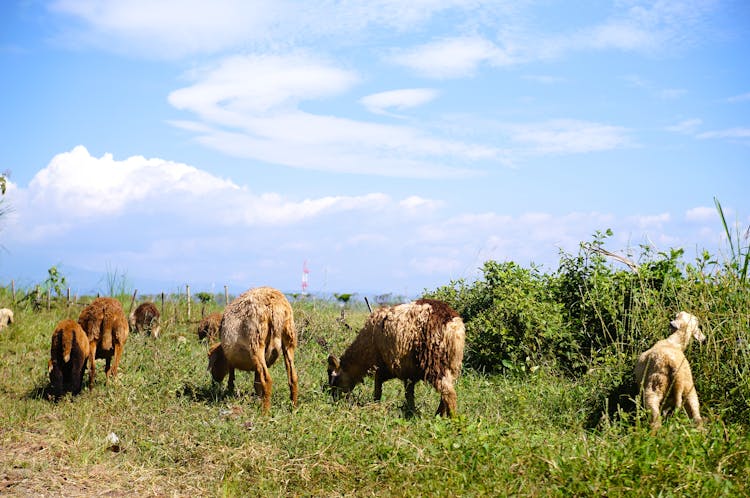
pixel 545 400
pixel 179 435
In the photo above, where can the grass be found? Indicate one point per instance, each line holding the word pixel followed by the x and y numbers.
pixel 180 435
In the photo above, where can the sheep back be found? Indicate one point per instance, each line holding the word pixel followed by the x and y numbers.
pixel 260 318
pixel 145 318
pixel 422 340
pixel 69 351
pixel 209 327
pixel 104 323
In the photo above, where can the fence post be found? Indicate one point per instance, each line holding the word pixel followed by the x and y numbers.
pixel 13 290
pixel 49 298
pixel 226 295
pixel 187 291
pixel 68 297
pixel 132 301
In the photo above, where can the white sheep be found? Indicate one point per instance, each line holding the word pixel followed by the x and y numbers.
pixel 255 330
pixel 421 340
pixel 6 318
pixel 663 373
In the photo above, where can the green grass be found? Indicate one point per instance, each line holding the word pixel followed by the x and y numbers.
pixel 180 435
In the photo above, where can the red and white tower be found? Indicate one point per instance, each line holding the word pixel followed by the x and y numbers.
pixel 305 273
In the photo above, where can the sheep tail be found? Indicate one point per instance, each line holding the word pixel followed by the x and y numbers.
pixel 67 344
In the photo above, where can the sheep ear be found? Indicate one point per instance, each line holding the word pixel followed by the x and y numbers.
pixel 333 363
pixel 675 324
pixel 698 334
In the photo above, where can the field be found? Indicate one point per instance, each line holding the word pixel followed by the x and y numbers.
pixel 518 434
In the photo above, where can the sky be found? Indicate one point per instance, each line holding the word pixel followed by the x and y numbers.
pixel 389 146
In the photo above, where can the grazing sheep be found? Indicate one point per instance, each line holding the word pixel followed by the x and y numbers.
pixel 663 374
pixel 145 318
pixel 6 318
pixel 255 328
pixel 209 327
pixel 68 354
pixel 422 340
pixel 107 330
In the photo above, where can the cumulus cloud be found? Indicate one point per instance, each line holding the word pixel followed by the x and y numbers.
pixel 701 214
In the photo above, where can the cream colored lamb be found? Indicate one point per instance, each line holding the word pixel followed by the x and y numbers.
pixel 6 318
pixel 663 373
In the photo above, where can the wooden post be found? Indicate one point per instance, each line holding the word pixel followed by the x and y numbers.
pixel 13 290
pixel 162 306
pixel 226 295
pixel 187 292
pixel 68 296
pixel 49 298
pixel 132 301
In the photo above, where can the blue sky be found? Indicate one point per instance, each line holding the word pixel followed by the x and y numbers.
pixel 392 145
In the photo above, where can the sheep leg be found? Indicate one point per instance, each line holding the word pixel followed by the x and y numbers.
pixel 230 382
pixel 652 401
pixel 409 392
pixel 116 359
pixel 92 363
pixel 693 409
pixel 257 385
pixel 377 392
pixel 265 383
pixel 291 373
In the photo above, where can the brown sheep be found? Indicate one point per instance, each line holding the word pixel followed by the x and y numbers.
pixel 6 318
pixel 145 318
pixel 255 329
pixel 209 327
pixel 107 330
pixel 422 340
pixel 68 354
pixel 663 373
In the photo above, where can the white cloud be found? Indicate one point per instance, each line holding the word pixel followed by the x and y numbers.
pixel 248 108
pixel 701 214
pixel 381 103
pixel 739 98
pixel 78 188
pixel 452 57
pixel 178 28
pixel 566 136
pixel 687 126
pixel 730 133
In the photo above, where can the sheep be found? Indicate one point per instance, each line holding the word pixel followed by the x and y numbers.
pixel 255 328
pixel 145 318
pixel 6 318
pixel 68 354
pixel 107 330
pixel 421 340
pixel 663 373
pixel 209 327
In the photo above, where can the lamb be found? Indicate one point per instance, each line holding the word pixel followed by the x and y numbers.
pixel 145 318
pixel 663 374
pixel 68 354
pixel 255 328
pixel 6 318
pixel 107 330
pixel 421 340
pixel 209 327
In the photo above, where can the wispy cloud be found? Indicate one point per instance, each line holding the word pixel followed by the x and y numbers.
pixel 452 57
pixel 744 97
pixel 565 136
pixel 248 107
pixel 383 102
pixel 687 126
pixel 738 133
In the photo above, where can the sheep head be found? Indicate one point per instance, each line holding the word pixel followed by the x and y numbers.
pixel 687 325
pixel 217 363
pixel 338 379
